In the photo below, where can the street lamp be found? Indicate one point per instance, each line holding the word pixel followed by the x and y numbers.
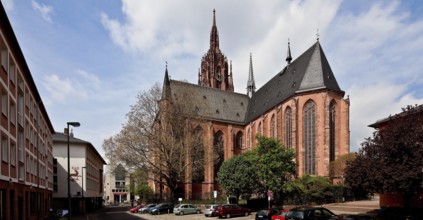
pixel 83 201
pixel 74 124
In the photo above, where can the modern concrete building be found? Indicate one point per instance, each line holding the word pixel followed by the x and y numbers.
pixel 116 186
pixel 86 183
pixel 26 174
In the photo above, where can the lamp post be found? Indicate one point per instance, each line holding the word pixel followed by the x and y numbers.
pixel 74 124
pixel 83 200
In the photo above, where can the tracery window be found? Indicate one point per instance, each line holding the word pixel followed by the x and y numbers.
pixel 332 128
pixel 273 127
pixel 248 137
pixel 260 128
pixel 288 127
pixel 218 154
pixel 238 140
pixel 309 128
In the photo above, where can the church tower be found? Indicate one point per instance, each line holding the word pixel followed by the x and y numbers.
pixel 215 71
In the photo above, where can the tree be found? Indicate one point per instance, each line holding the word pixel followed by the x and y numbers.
pixel 161 137
pixel 337 167
pixel 274 164
pixel 391 160
pixel 237 176
pixel 309 189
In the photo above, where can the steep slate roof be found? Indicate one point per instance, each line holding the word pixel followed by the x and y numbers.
pixel 310 71
pixel 210 103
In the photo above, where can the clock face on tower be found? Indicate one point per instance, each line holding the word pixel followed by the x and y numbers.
pixel 218 76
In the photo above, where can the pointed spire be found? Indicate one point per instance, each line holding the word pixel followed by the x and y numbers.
pixel 251 85
pixel 214 35
pixel 214 17
pixel 288 54
pixel 317 34
pixel 166 85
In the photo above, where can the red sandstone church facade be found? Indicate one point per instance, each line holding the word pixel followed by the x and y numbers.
pixel 302 106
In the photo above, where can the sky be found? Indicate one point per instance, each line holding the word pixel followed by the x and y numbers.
pixel 90 59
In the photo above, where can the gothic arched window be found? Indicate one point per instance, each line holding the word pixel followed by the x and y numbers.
pixel 218 152
pixel 288 127
pixel 238 140
pixel 273 127
pixel 248 137
pixel 197 156
pixel 260 128
pixel 332 128
pixel 309 130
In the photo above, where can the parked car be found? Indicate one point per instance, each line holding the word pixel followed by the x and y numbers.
pixel 310 213
pixel 210 210
pixel 229 210
pixel 161 208
pixel 266 214
pixel 182 209
pixel 281 215
pixel 146 208
pixel 135 209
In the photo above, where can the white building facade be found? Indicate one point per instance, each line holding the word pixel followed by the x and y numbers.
pixel 116 186
pixel 86 171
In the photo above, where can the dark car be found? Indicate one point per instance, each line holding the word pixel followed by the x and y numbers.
pixel 310 213
pixel 229 210
pixel 161 208
pixel 266 214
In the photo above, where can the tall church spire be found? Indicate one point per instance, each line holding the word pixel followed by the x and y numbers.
pixel 288 54
pixel 251 85
pixel 166 85
pixel 214 35
pixel 214 71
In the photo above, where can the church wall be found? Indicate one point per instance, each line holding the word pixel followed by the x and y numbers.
pixel 322 100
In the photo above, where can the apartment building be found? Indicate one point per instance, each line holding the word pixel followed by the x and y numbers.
pixel 26 174
pixel 86 174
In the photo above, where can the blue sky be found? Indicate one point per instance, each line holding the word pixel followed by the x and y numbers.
pixel 90 59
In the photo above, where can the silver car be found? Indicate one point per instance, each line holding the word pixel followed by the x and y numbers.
pixel 182 209
pixel 209 210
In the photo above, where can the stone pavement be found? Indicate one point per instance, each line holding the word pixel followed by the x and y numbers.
pixel 370 206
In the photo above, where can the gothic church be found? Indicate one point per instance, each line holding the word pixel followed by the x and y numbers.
pixel 302 106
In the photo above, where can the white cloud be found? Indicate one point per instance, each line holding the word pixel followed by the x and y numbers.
pixel 45 10
pixel 89 80
pixel 63 90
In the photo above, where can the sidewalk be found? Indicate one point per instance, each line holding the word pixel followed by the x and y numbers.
pixel 355 207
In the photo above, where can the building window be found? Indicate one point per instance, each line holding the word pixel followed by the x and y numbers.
pixel 288 127
pixel 12 154
pixel 4 149
pixel 260 128
pixel 239 140
pixel 20 108
pixel 273 127
pixel 197 157
pixel 12 74
pixel 248 137
pixel 21 146
pixel 309 129
pixel 4 101
pixel 4 58
pixel 12 113
pixel 219 152
pixel 332 129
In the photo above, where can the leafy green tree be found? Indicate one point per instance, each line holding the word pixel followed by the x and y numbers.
pixel 143 190
pixel 309 189
pixel 392 160
pixel 274 164
pixel 237 176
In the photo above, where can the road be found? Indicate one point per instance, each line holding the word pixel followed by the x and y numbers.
pixel 122 213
